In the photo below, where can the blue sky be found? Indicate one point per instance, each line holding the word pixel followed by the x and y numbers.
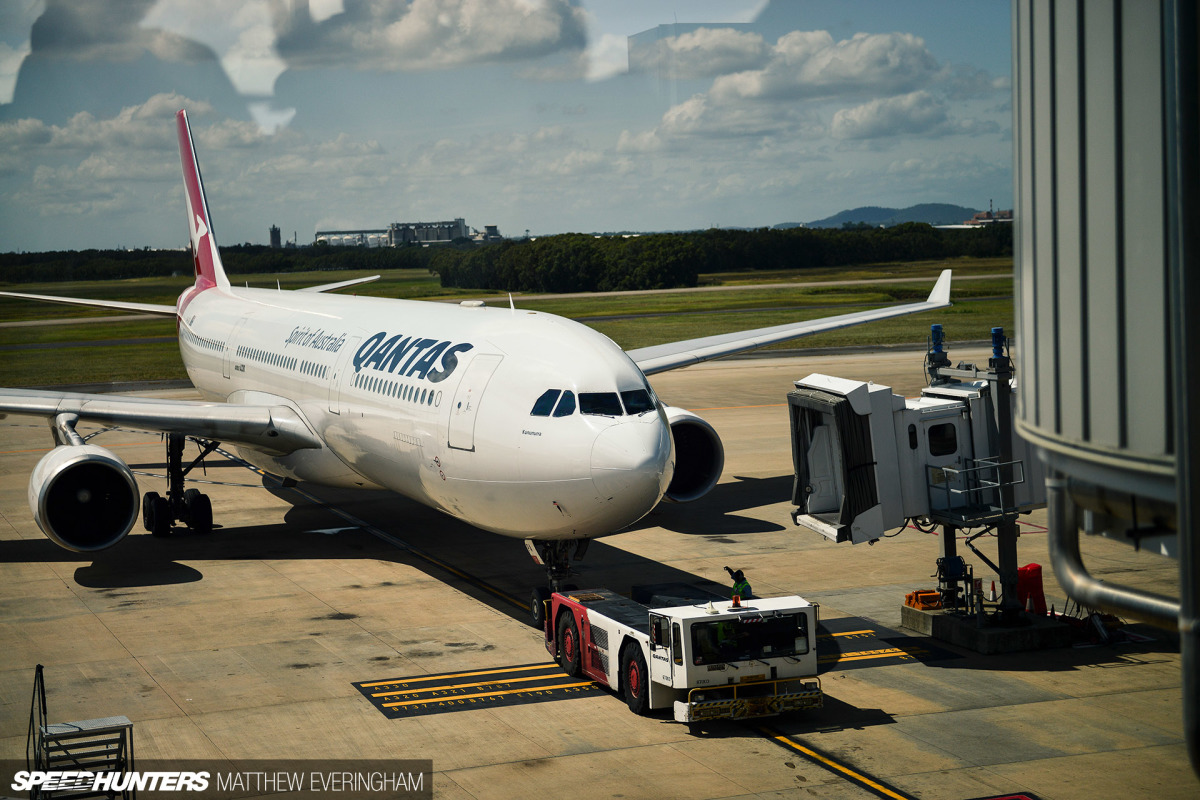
pixel 526 114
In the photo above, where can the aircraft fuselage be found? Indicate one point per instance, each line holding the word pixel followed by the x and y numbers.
pixel 452 406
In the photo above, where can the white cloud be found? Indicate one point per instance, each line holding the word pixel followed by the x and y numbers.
pixel 916 112
pixel 702 53
pixel 430 34
pixel 810 64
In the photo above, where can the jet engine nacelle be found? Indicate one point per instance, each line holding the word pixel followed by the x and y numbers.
pixel 699 456
pixel 83 497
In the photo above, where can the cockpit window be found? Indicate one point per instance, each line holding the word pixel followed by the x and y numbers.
pixel 604 404
pixel 545 403
pixel 566 406
pixel 637 402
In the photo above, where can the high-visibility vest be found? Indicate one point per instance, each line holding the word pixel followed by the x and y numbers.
pixel 741 589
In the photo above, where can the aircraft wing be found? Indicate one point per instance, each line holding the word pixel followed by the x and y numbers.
pixel 275 429
pixel 116 305
pixel 663 357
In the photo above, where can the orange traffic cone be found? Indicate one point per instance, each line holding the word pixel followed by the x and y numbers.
pixel 992 597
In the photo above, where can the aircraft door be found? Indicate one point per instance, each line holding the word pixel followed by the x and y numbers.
pixel 341 366
pixel 231 345
pixel 465 407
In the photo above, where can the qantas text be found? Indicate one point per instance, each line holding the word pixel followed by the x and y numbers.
pixel 409 356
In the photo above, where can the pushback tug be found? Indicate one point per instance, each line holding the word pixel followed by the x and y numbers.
pixel 679 647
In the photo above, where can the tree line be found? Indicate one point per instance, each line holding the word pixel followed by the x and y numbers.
pixel 583 262
pixel 563 263
pixel 97 265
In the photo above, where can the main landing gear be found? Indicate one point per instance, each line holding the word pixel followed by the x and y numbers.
pixel 555 556
pixel 190 506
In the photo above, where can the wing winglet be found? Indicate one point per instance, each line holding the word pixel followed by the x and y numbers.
pixel 941 289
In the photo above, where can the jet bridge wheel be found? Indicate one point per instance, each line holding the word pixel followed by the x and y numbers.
pixel 568 644
pixel 635 679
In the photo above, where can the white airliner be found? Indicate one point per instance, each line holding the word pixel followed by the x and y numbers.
pixel 518 422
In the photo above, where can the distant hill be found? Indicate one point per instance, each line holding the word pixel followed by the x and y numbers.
pixel 932 213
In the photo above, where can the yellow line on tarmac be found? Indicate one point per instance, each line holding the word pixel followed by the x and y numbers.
pixel 488 694
pixel 863 655
pixel 858 777
pixel 464 685
pixel 462 674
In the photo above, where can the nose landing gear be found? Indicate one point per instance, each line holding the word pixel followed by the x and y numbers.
pixel 555 556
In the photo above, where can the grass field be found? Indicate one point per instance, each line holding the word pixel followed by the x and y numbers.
pixel 981 305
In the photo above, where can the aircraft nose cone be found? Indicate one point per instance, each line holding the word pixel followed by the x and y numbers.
pixel 629 462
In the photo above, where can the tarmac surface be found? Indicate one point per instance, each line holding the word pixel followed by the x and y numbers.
pixel 256 642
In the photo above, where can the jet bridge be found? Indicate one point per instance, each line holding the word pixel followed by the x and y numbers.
pixel 868 461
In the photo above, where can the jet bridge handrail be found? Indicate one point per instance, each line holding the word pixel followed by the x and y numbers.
pixel 975 482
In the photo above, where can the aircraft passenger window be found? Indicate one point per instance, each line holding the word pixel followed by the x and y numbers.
pixel 637 402
pixel 545 404
pixel 943 440
pixel 605 404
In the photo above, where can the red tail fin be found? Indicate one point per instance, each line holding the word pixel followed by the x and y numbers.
pixel 205 256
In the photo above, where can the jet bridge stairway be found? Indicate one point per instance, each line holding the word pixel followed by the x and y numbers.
pixel 98 746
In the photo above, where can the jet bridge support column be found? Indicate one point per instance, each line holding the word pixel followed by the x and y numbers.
pixel 1000 376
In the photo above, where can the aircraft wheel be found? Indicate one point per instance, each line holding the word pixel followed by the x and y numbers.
pixel 635 679
pixel 199 507
pixel 160 516
pixel 148 500
pixel 537 606
pixel 568 644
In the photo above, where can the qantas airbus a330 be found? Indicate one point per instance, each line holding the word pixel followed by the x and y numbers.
pixel 518 422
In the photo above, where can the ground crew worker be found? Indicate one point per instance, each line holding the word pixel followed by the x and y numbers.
pixel 741 587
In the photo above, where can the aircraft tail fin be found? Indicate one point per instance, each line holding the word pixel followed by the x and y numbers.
pixel 206 257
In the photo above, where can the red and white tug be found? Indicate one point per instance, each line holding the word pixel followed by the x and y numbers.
pixel 673 646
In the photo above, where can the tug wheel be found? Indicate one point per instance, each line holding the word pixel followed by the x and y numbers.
pixel 568 644
pixel 635 679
